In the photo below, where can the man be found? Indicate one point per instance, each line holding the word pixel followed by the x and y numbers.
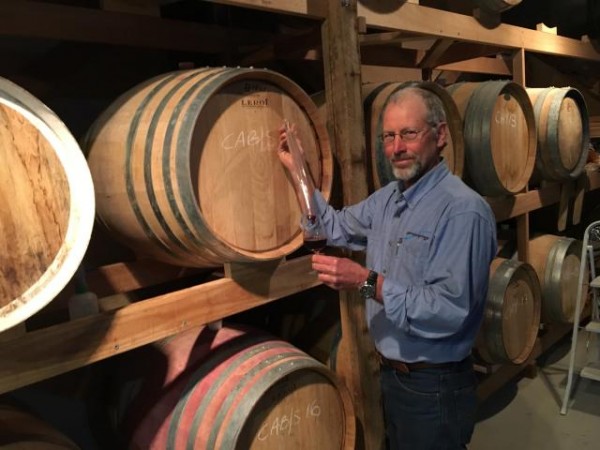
pixel 429 241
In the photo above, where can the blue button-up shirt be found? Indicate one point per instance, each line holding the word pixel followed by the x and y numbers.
pixel 433 243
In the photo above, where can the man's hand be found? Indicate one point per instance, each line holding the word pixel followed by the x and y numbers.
pixel 283 151
pixel 339 273
pixel 286 149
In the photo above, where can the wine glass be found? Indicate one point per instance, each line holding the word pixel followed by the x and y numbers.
pixel 313 233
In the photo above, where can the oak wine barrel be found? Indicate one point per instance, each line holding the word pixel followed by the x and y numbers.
pixel 47 199
pixel 512 313
pixel 563 132
pixel 20 430
pixel 556 261
pixel 232 388
pixel 375 98
pixel 186 167
pixel 500 135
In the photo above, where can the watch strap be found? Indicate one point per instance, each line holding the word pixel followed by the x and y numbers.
pixel 372 278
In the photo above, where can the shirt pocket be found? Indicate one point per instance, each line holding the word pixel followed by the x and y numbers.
pixel 404 257
pixel 413 250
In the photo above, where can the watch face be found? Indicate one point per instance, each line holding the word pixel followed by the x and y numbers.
pixel 367 291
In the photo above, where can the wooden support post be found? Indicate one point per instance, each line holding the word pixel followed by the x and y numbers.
pixel 356 357
pixel 580 187
pixel 518 66
pixel 566 192
pixel 523 237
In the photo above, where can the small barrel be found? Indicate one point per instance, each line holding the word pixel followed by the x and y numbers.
pixel 563 132
pixel 20 430
pixel 232 388
pixel 47 199
pixel 497 6
pixel 375 98
pixel 500 135
pixel 512 313
pixel 557 261
pixel 186 167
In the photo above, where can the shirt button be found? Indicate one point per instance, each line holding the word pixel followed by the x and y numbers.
pixel 384 271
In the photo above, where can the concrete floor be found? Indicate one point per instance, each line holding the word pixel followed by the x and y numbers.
pixel 524 414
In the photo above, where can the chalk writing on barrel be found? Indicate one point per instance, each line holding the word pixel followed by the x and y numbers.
pixel 249 138
pixel 285 424
pixel 509 119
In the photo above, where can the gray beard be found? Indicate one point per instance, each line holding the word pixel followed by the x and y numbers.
pixel 409 173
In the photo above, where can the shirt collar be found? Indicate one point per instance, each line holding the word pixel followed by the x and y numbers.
pixel 427 182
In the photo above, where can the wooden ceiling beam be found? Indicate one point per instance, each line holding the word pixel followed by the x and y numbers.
pixel 413 18
pixel 463 51
pixel 433 55
pixel 494 66
pixel 387 38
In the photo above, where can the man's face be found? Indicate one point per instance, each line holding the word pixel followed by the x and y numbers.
pixel 416 146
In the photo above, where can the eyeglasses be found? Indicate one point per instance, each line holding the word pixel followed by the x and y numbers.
pixel 388 137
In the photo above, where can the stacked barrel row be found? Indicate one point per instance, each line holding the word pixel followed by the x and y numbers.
pixel 183 169
pixel 501 136
pixel 523 295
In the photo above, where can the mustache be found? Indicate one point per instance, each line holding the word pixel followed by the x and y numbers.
pixel 402 157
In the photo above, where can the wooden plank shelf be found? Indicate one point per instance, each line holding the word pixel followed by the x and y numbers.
pixel 512 206
pixel 57 349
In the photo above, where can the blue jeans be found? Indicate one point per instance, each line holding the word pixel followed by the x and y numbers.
pixel 430 408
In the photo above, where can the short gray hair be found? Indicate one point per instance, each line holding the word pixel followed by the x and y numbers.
pixel 436 113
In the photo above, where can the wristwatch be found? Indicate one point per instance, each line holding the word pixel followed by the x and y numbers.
pixel 369 287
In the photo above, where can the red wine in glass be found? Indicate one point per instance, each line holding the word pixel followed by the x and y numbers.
pixel 315 245
pixel 314 239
